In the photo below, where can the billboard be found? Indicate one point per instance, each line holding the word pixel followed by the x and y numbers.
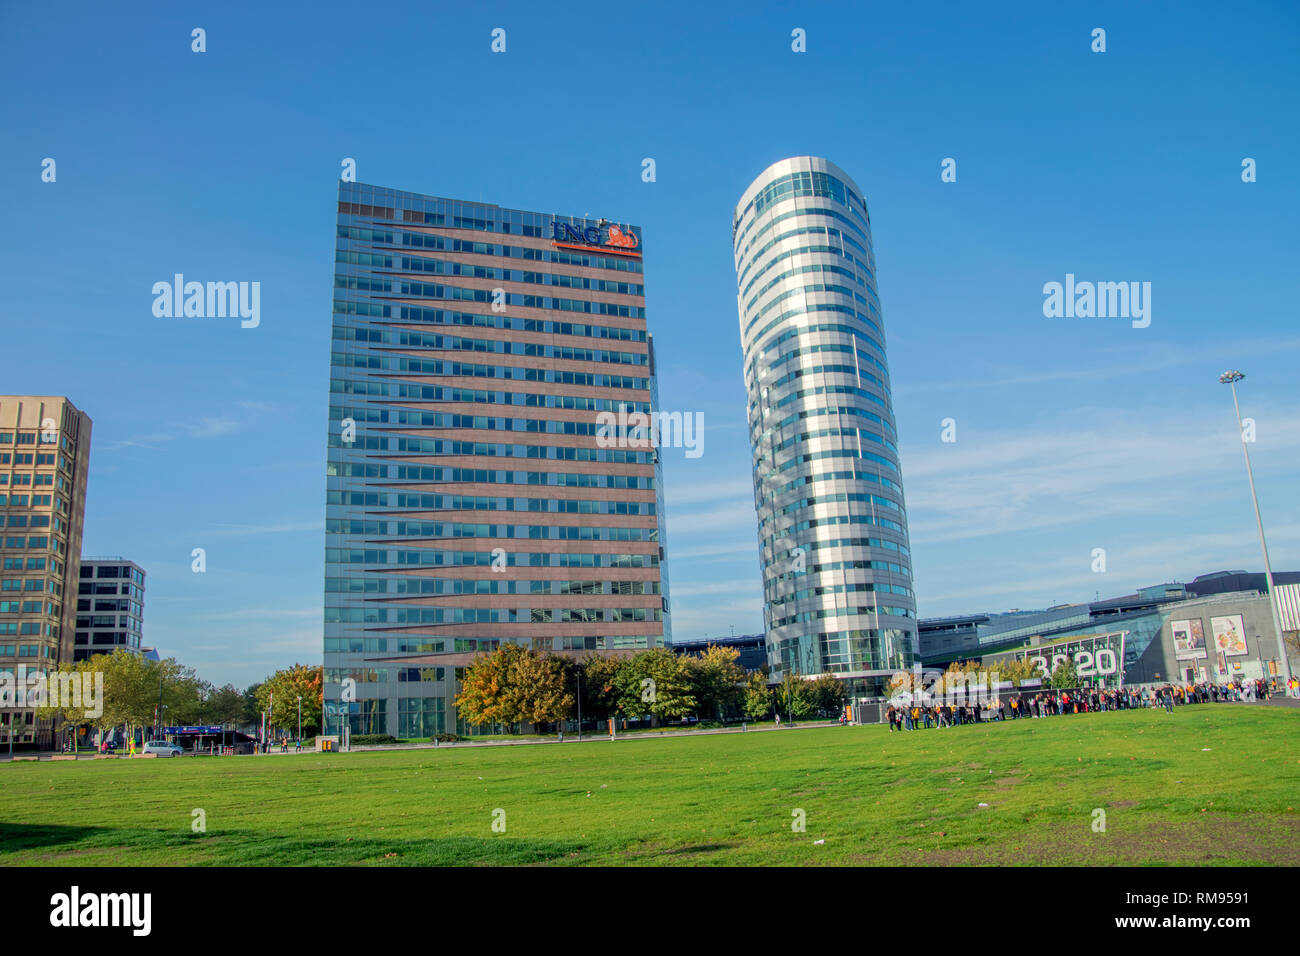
pixel 1189 640
pixel 1229 635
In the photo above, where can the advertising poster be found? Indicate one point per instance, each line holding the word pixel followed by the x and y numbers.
pixel 1229 635
pixel 1189 640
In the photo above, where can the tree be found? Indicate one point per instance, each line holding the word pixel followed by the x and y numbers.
pixel 655 682
pixel 1065 676
pixel 224 705
pixel 600 685
pixel 69 696
pixel 758 699
pixel 250 714
pixel 794 697
pixel 826 695
pixel 283 688
pixel 716 680
pixel 536 689
pixel 514 684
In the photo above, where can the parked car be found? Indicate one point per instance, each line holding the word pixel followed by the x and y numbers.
pixel 162 748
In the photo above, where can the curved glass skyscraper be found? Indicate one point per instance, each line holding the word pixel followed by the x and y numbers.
pixel 832 527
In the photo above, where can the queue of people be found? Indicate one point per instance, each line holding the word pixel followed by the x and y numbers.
pixel 1030 705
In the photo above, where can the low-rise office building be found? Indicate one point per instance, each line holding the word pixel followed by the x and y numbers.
pixel 110 607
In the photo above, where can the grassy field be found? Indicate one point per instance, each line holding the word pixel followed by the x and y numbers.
pixel 872 796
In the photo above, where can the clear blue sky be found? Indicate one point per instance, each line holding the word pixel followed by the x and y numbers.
pixel 1072 434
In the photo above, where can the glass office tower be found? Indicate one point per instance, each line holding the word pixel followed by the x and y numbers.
pixel 832 527
pixel 469 501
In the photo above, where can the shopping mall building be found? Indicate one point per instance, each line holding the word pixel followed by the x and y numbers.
pixel 1217 627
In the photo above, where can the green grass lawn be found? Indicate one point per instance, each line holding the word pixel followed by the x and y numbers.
pixel 872 796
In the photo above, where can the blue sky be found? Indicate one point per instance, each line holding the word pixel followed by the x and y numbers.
pixel 1072 434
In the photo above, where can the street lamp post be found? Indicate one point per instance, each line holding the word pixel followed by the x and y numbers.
pixel 299 717
pixel 1231 378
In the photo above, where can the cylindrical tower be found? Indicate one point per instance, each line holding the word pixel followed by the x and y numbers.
pixel 832 526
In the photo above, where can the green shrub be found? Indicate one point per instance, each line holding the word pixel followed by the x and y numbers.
pixel 370 740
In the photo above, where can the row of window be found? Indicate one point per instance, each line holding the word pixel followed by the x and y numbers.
pixel 374 584
pixel 804 617
pixel 843 496
pixel 111 571
pixel 421 240
pixel 802 215
pixel 489 615
pixel 831 521
pixel 454 343
pixel 805 310
pixel 827 232
pixel 109 620
pixel 857 433
pixel 429 502
pixel 462 645
pixel 381 415
pixel 380 675
pixel 844 543
pixel 25 521
pixel 857 588
pixel 442 393
pixel 439 446
pixel 817 267
pixel 467 270
pixel 38 542
pixel 31 584
pixel 438 529
pixel 483 476
pixel 483 559
pixel 822 476
pixel 401 363
pixel 28 480
pixel 35 438
pixel 798 460
pixel 130 590
pixel 860 564
pixel 32 564
pixel 801 330
pixel 121 604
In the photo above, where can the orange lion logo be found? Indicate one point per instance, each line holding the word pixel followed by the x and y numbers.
pixel 624 240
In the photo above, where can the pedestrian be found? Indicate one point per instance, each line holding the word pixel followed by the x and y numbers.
pixel 889 716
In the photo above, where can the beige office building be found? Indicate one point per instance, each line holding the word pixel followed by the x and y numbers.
pixel 44 457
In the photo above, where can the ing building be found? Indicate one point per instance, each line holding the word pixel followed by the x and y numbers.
pixel 44 457
pixel 468 499
pixel 828 489
pixel 110 607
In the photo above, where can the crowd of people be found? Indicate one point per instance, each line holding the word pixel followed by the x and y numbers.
pixel 977 708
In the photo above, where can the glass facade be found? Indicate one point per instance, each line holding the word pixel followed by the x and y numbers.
pixel 828 489
pixel 469 501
